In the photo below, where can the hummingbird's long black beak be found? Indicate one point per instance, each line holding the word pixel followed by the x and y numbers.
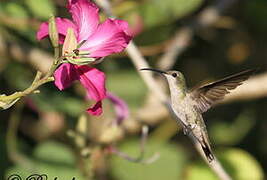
pixel 155 70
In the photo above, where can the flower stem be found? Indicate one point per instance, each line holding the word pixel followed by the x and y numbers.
pixel 57 53
pixel 38 81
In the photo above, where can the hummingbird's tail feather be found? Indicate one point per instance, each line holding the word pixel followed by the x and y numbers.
pixel 207 151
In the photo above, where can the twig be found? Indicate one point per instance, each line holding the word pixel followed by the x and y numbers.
pixel 140 158
pixel 8 101
pixel 253 88
pixel 214 165
pixel 183 36
pixel 36 83
pixel 180 42
pixel 123 155
pixel 140 62
pixel 143 140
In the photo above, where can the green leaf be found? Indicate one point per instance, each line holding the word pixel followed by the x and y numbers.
pixel 132 92
pixel 54 152
pixel 14 9
pixel 43 9
pixel 238 163
pixel 242 165
pixel 168 166
pixel 16 81
pixel 255 15
pixel 156 12
pixel 232 133
pixel 60 101
pixel 198 171
pixel 53 159
pixel 182 8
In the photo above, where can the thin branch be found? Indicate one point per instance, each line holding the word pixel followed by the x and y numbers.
pixel 179 44
pixel 184 36
pixel 123 155
pixel 143 140
pixel 140 158
pixel 214 165
pixel 7 101
pixel 140 62
pixel 253 88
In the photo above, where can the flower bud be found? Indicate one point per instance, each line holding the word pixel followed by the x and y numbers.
pixel 53 33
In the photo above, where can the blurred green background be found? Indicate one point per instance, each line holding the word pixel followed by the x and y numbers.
pixel 38 143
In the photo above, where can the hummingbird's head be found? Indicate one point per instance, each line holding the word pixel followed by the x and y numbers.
pixel 174 78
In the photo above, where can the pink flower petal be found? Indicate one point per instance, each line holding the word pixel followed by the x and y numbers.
pixel 65 75
pixel 120 106
pixel 93 80
pixel 85 16
pixel 96 110
pixel 110 37
pixel 62 26
pixel 122 25
pixel 70 2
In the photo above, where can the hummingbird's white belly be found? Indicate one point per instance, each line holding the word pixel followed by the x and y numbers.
pixel 191 120
pixel 186 113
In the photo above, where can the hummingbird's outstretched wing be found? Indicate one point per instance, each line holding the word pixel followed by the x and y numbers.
pixel 206 95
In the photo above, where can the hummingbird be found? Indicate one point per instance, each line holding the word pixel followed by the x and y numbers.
pixel 189 104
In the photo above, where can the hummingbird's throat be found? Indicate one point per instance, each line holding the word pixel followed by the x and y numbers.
pixel 177 94
pixel 177 89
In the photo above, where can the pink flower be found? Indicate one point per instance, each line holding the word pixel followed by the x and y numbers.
pixel 99 40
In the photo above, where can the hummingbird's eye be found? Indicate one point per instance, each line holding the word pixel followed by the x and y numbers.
pixel 174 74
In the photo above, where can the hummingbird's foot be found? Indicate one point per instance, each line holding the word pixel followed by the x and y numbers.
pixel 185 131
pixel 188 128
pixel 192 126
